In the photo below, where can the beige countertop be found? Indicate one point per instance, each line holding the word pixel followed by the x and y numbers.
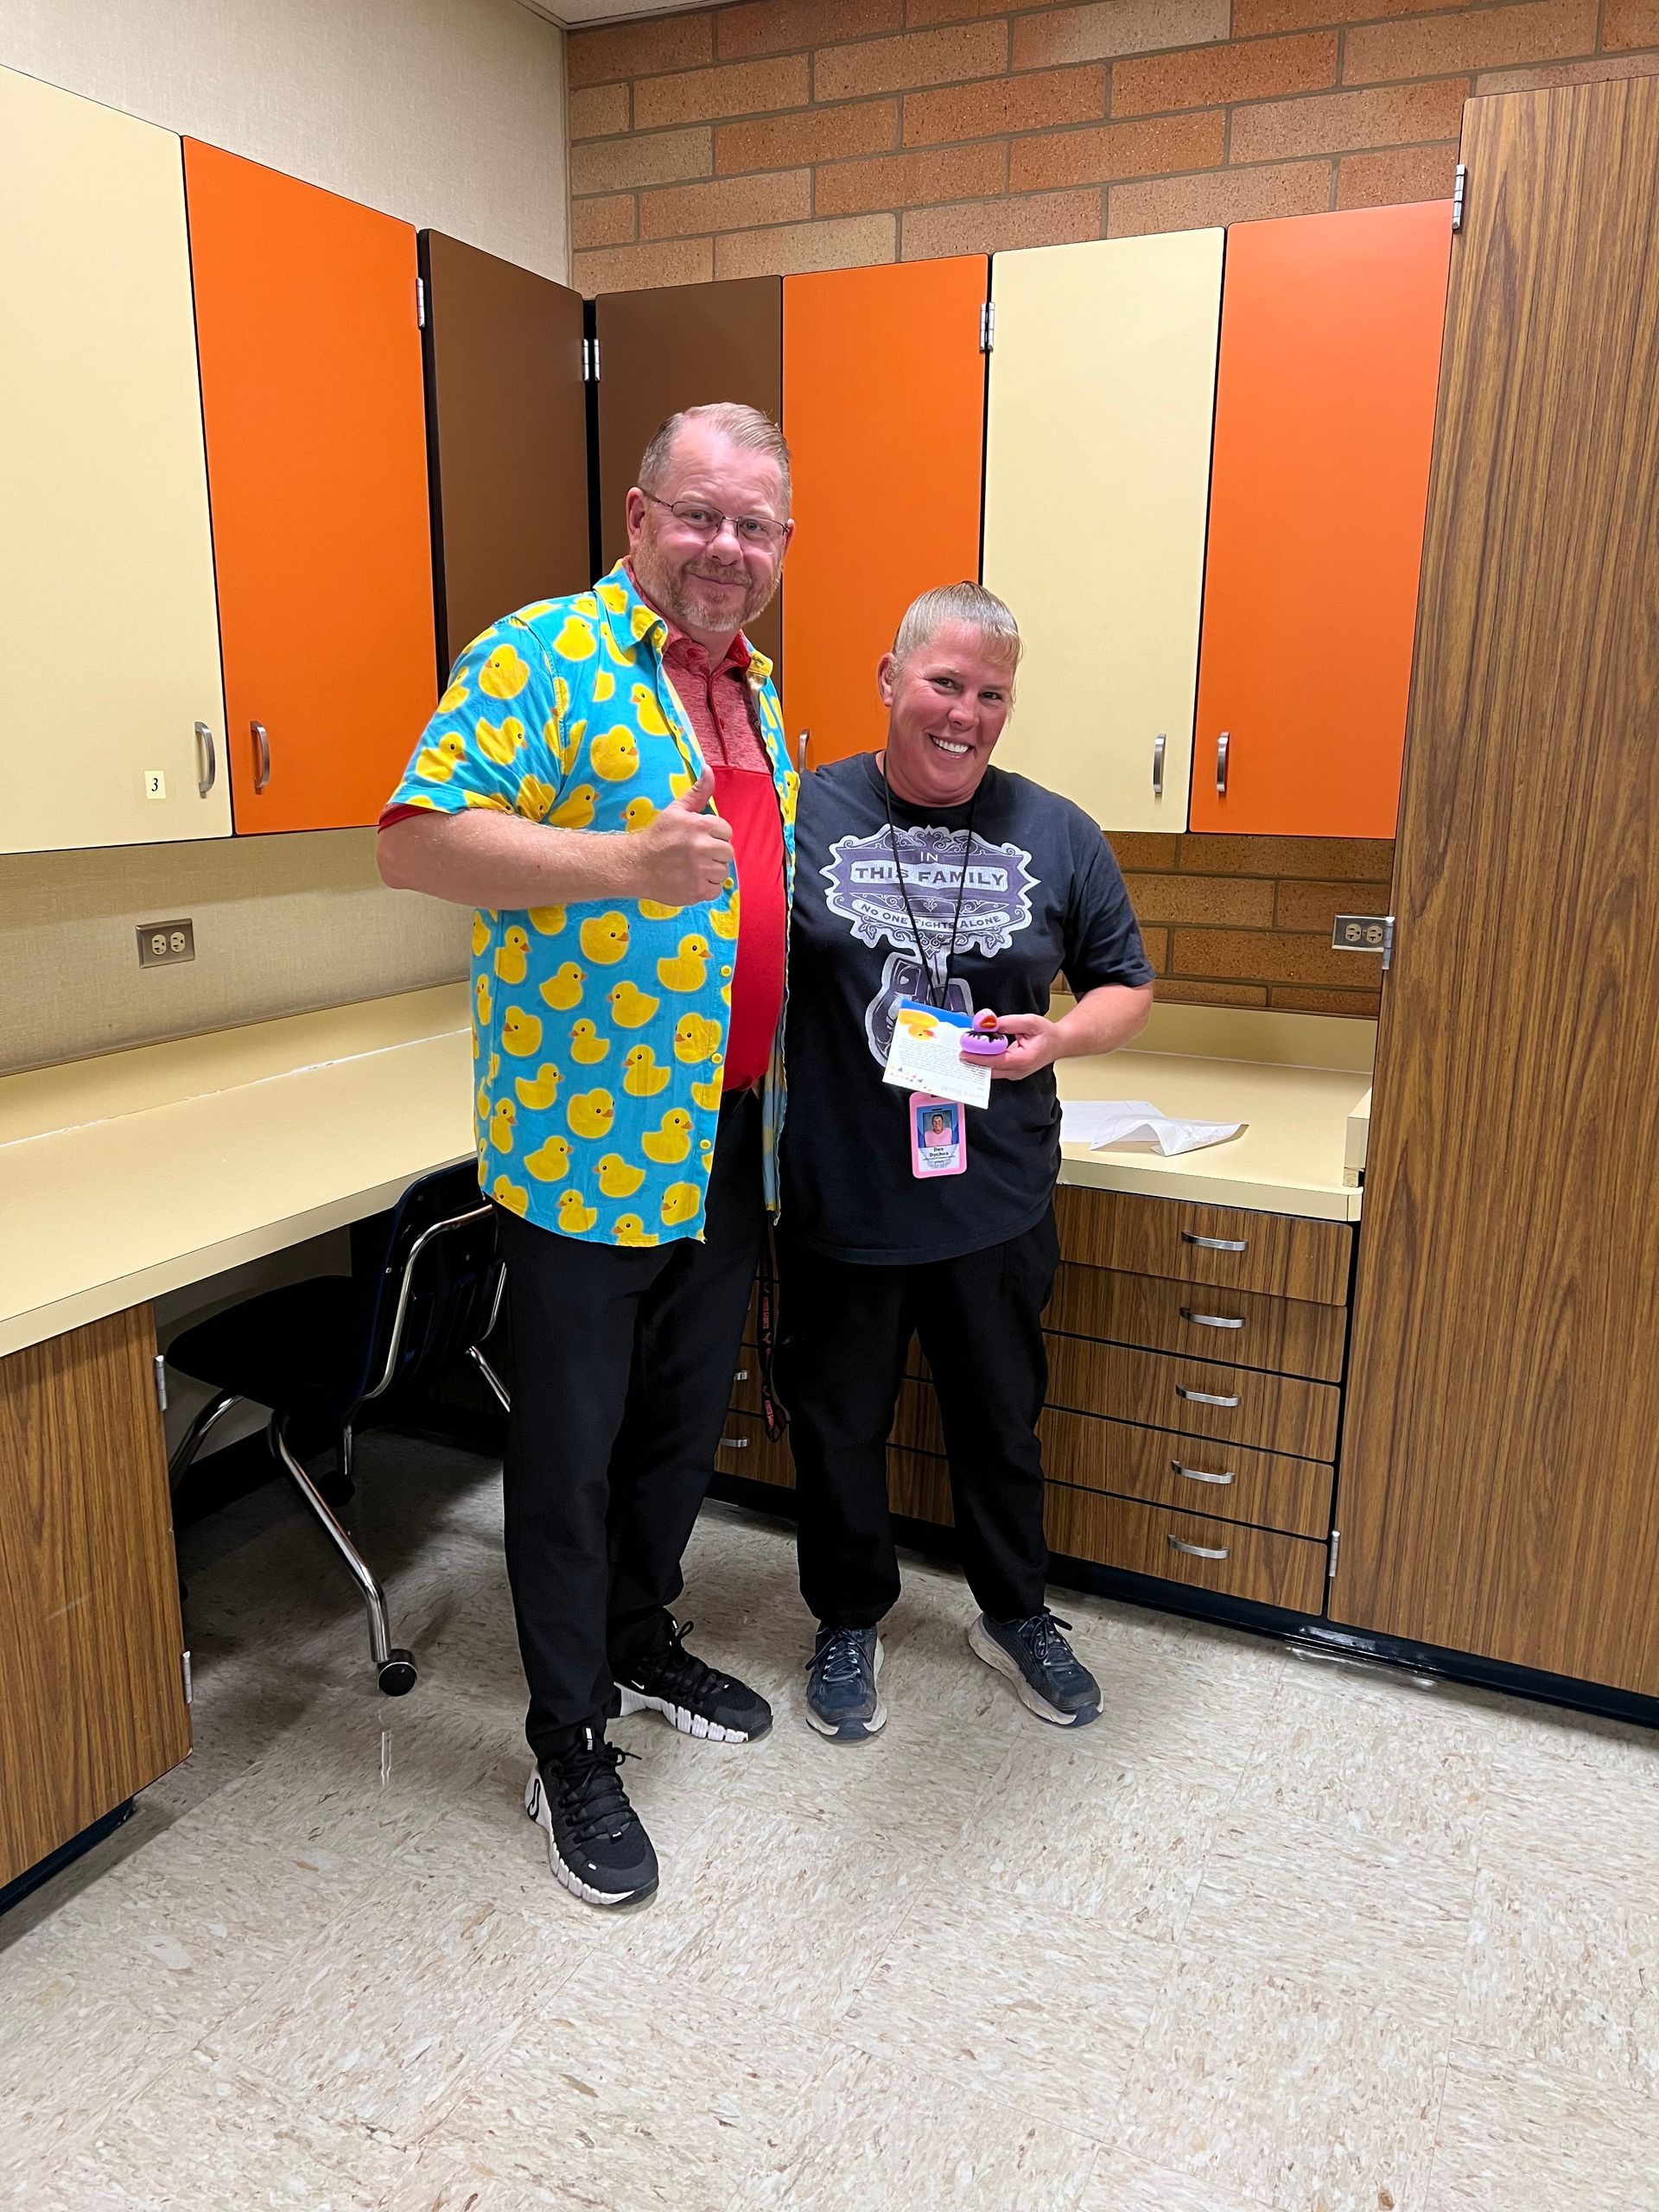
pixel 137 1172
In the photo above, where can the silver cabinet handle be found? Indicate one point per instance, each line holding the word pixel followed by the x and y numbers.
pixel 1210 1320
pixel 1201 1551
pixel 207 755
pixel 1223 744
pixel 1202 1397
pixel 1215 1243
pixel 735 1443
pixel 1158 744
pixel 741 1375
pixel 261 773
pixel 1222 1481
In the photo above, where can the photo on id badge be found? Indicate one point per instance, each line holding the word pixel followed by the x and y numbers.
pixel 938 1141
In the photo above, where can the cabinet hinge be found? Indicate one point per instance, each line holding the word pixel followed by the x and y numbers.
pixel 1330 1571
pixel 1460 179
pixel 1364 933
pixel 158 1368
pixel 420 301
pixel 987 325
pixel 189 1686
pixel 590 360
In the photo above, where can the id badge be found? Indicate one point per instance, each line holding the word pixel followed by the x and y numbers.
pixel 939 1137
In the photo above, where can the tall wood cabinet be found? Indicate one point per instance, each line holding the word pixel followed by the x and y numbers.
pixel 1097 487
pixel 1499 1485
pixel 112 710
pixel 884 409
pixel 311 387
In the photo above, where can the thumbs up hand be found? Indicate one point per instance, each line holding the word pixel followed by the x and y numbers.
pixel 685 854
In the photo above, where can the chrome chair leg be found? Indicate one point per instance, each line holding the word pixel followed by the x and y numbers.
pixel 498 1388
pixel 196 1435
pixel 395 1667
pixel 345 1459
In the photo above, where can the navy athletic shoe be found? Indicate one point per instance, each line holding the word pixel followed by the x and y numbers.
pixel 1046 1673
pixel 841 1700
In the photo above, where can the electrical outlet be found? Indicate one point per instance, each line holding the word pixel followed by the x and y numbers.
pixel 162 943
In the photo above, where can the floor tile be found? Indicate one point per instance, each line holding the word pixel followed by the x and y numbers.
pixel 1583 1821
pixel 69 2057
pixel 1272 2087
pixel 1122 2183
pixel 1532 2139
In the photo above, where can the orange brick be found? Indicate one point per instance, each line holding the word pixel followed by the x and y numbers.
pixel 1226 902
pixel 1335 860
pixel 996 226
pixel 1209 76
pixel 663 157
pixel 854 244
pixel 1179 991
pixel 1259 956
pixel 1195 203
pixel 785 26
pixel 1390 180
pixel 636 267
pixel 893 65
pixel 1155 944
pixel 1481 38
pixel 825 134
pixel 920 13
pixel 705 95
pixel 911 179
pixel 1142 848
pixel 602 222
pixel 1335 122
pixel 1316 906
pixel 1547 73
pixel 1112 150
pixel 1364 1005
pixel 1630 24
pixel 599 113
pixel 1254 18
pixel 624 49
pixel 729 204
pixel 1107 28
pixel 1034 102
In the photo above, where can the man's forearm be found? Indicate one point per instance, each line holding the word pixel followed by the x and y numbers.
pixel 483 858
pixel 1104 1019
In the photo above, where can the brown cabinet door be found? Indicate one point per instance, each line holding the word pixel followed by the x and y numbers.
pixel 91 1685
pixel 678 347
pixel 507 438
pixel 1497 1490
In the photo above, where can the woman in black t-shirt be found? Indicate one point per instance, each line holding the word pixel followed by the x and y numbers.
pixel 925 872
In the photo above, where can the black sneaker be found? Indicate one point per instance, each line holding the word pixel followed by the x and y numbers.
pixel 1036 1659
pixel 595 1844
pixel 841 1700
pixel 693 1698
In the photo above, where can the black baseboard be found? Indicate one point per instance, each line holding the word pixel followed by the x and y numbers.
pixel 14 1891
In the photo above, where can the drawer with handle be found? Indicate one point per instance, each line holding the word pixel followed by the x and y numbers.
pixel 1280 1412
pixel 746 1449
pixel 1291 1336
pixel 1231 1481
pixel 1209 1555
pixel 1280 1253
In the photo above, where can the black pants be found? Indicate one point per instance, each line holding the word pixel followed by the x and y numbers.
pixel 622 1362
pixel 846 1331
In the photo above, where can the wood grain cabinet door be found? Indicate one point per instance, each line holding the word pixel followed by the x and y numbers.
pixel 109 630
pixel 678 347
pixel 1097 480
pixel 92 1683
pixel 1499 1480
pixel 1331 331
pixel 884 409
pixel 507 438
pixel 307 320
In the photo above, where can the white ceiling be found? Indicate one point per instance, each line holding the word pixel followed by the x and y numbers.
pixel 568 13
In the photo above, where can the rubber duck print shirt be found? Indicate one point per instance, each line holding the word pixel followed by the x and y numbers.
pixel 599 1030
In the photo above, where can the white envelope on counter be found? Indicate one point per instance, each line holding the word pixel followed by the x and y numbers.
pixel 1100 1121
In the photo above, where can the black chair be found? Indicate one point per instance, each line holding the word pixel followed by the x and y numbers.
pixel 425 1287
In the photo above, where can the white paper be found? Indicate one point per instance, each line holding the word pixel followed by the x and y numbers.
pixel 926 1055
pixel 1100 1121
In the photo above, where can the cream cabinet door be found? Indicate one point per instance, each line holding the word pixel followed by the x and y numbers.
pixel 1097 481
pixel 109 630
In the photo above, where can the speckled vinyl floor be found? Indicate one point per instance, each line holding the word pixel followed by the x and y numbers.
pixel 1273 1936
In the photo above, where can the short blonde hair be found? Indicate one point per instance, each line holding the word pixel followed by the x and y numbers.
pixel 746 427
pixel 969 604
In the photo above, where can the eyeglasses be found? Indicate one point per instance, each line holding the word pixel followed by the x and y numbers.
pixel 709 522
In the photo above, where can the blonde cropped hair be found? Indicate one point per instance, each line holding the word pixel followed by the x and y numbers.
pixel 969 604
pixel 746 427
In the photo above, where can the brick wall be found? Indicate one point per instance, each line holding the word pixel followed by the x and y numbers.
pixel 780 135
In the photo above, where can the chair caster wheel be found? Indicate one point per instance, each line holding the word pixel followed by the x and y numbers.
pixel 398 1673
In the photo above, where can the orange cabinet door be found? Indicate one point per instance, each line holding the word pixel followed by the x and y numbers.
pixel 310 346
pixel 1325 413
pixel 884 409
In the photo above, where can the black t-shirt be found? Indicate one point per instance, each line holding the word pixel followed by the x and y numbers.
pixel 1043 893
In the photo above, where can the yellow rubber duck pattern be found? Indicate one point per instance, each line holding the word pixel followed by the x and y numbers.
pixel 602 1025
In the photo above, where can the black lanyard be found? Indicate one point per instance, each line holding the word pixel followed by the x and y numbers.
pixel 910 915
